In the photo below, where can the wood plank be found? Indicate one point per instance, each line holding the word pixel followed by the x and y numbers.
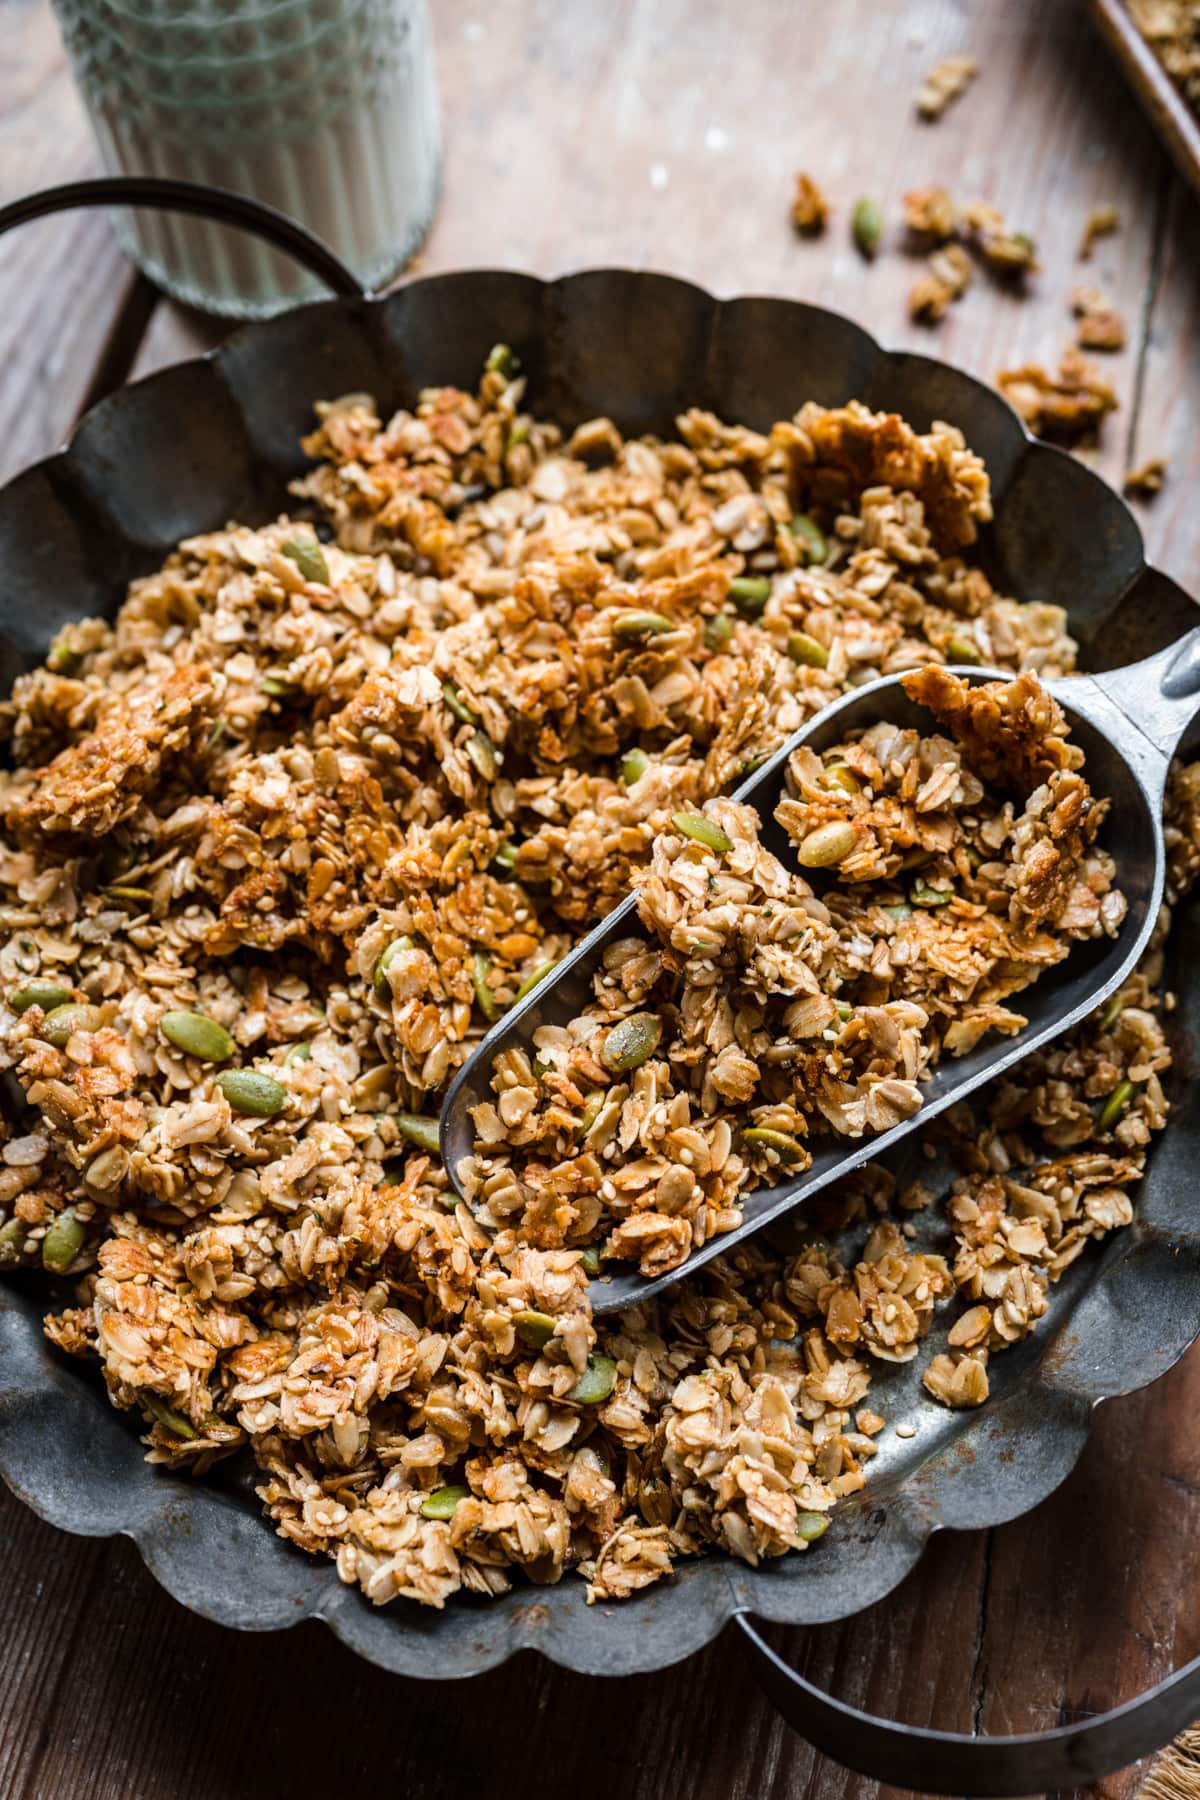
pixel 1170 400
pixel 49 1581
pixel 1090 1596
pixel 63 281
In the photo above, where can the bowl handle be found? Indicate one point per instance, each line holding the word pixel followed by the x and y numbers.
pixel 947 1762
pixel 163 195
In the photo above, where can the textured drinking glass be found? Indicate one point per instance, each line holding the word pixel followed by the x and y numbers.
pixel 326 109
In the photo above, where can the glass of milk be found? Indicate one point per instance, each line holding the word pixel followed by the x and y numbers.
pixel 326 109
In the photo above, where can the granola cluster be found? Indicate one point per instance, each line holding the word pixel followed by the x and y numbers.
pixel 280 840
pixel 1069 404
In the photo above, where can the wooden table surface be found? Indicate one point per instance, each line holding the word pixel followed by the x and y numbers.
pixel 663 134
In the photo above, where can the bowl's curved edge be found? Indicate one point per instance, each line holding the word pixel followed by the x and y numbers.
pixel 178 1532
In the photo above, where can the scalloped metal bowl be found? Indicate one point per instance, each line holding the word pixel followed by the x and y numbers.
pixel 217 439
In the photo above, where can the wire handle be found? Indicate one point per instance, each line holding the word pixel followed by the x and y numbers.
pixel 162 194
pixel 948 1762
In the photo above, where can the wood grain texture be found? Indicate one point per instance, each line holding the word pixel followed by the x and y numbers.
pixel 63 281
pixel 661 134
pixel 1170 393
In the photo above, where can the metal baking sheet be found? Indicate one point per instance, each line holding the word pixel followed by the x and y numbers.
pixel 1161 101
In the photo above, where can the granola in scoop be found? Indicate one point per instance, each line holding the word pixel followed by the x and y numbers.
pixel 771 1007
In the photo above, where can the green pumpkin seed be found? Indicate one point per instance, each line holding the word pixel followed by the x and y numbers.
pixel 634 764
pixel 962 650
pixel 841 775
pixel 827 845
pixel 808 533
pixel 197 1035
pixel 482 753
pixel 786 1148
pixel 420 1131
pixel 162 1414
pixel 441 1504
pixel 62 660
pixel 701 831
pixel 1111 1013
pixel 534 1329
pixel 278 687
pixel 867 225
pixel 46 994
pixel 1115 1105
pixel 916 858
pixel 750 594
pixel 810 1526
pixel 518 435
pixel 597 1381
pixel 589 1261
pixel 900 911
pixel 631 1042
pixel 138 894
pixel 63 1242
pixel 807 651
pixel 308 557
pixel 458 706
pixel 481 968
pixel 250 1091
pixel 593 1106
pixel 921 894
pixel 12 1241
pixel 717 631
pixel 538 974
pixel 108 1170
pixel 62 1022
pixel 299 1053
pixel 505 858
pixel 379 980
pixel 502 361
pixel 635 627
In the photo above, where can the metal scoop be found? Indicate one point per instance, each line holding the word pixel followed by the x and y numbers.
pixel 1128 722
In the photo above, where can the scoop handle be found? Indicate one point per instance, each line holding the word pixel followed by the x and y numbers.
pixel 1159 695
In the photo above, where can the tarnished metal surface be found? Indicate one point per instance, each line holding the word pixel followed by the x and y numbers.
pixel 214 439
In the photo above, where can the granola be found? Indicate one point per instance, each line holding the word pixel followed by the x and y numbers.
pixel 944 83
pixel 1102 221
pixel 810 209
pixel 948 276
pixel 1070 405
pixel 1147 479
pixel 280 839
pixel 1008 254
pixel 1099 325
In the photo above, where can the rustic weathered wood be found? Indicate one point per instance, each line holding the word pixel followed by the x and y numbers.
pixel 1170 397
pixel 654 133
pixel 63 281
